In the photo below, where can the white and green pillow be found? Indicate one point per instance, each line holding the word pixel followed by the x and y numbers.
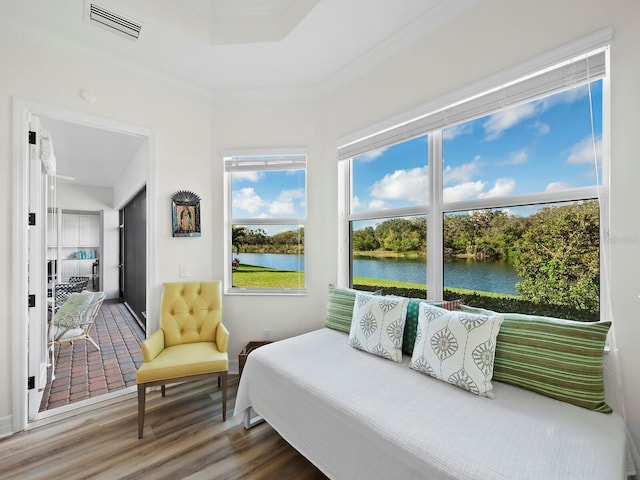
pixel 411 324
pixel 456 347
pixel 378 324
pixel 559 358
pixel 340 308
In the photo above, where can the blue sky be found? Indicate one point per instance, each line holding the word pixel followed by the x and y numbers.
pixel 269 194
pixel 536 147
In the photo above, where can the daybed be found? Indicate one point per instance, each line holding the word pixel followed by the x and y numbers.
pixel 359 416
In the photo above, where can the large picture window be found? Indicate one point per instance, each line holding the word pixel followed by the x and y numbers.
pixel 266 216
pixel 496 197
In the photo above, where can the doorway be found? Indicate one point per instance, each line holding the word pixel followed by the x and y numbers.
pixel 23 339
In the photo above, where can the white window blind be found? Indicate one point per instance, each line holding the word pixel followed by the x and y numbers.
pixel 580 70
pixel 267 162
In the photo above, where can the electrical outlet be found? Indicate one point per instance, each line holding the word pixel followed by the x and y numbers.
pixel 184 271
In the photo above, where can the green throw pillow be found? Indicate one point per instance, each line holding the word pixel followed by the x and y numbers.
pixel 561 359
pixel 411 325
pixel 340 308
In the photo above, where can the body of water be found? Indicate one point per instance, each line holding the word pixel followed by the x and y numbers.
pixel 497 277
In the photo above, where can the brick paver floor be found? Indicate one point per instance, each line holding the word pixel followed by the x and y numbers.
pixel 83 372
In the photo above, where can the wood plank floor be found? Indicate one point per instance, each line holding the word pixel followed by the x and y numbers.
pixel 184 438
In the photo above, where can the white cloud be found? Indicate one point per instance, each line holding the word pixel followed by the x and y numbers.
pixel 557 186
pixel 371 155
pixel 409 185
pixel 517 158
pixel 355 203
pixel 285 203
pixel 377 205
pixel 463 191
pixel 541 128
pixel 279 209
pixel 246 176
pixel 501 121
pixel 582 152
pixel 247 199
pixel 454 131
pixel 463 173
pixel 501 187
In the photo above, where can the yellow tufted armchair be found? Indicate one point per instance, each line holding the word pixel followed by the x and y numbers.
pixel 190 344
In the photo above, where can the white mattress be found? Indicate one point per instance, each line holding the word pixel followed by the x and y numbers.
pixel 357 416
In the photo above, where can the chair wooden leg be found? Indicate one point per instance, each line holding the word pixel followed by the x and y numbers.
pixel 163 389
pixel 142 393
pixel 224 395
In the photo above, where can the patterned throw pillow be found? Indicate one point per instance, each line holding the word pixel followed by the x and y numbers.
pixel 456 347
pixel 411 325
pixel 377 325
pixel 558 358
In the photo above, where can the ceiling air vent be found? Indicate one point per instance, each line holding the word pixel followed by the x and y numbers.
pixel 113 21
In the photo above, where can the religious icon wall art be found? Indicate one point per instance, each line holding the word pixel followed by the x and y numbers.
pixel 186 214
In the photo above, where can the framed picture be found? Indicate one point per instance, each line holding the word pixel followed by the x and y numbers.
pixel 185 214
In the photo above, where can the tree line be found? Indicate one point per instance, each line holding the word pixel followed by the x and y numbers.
pixel 554 251
pixel 247 240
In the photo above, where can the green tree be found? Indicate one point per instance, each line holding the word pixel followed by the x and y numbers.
pixel 237 237
pixel 558 256
pixel 402 234
pixel 364 240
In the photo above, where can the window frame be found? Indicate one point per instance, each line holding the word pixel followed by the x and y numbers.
pixel 261 160
pixel 422 123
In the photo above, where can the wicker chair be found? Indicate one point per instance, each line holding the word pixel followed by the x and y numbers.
pixel 62 290
pixel 74 319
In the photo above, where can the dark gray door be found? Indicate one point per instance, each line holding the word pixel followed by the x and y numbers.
pixel 133 251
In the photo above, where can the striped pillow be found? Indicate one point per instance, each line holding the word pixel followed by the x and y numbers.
pixel 561 359
pixel 411 325
pixel 340 308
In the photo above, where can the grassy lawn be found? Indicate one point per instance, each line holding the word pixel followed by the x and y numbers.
pixel 250 276
pixel 376 282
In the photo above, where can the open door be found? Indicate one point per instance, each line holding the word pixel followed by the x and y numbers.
pixel 41 201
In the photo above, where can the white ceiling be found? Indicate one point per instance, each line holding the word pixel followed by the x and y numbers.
pixel 79 149
pixel 219 47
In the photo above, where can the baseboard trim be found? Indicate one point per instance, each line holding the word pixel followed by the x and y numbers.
pixel 6 426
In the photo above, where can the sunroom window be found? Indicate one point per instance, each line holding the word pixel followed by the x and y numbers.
pixel 265 222
pixel 496 199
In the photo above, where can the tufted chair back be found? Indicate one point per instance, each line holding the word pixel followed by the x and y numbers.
pixel 190 312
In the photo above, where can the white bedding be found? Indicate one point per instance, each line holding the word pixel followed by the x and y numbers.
pixel 357 416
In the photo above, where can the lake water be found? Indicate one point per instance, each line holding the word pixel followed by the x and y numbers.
pixel 498 277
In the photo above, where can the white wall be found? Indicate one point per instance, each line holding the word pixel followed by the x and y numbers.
pixel 132 179
pixel 189 132
pixel 78 197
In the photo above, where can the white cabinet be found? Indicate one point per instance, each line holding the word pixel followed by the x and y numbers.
pixel 88 231
pixel 70 225
pixel 80 235
pixel 80 231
